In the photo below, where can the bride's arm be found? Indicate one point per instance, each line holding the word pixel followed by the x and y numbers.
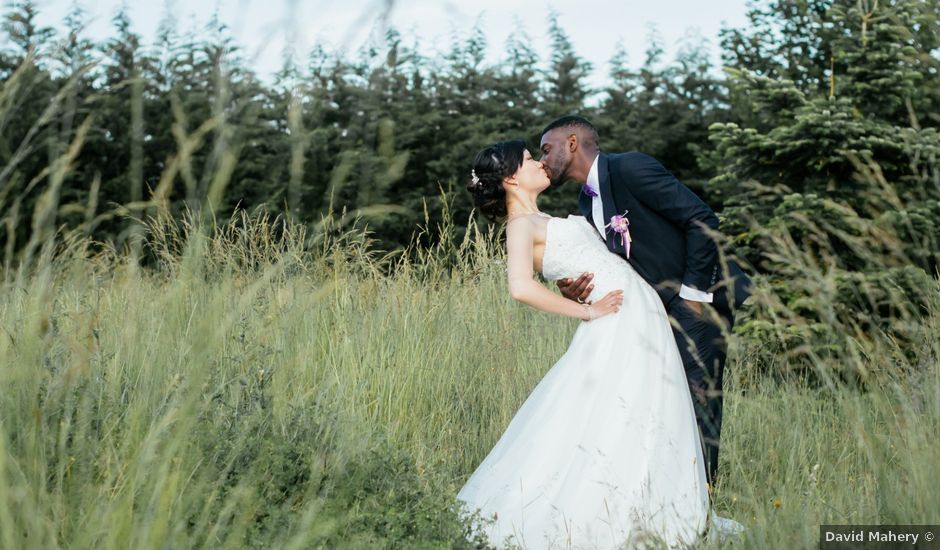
pixel 520 242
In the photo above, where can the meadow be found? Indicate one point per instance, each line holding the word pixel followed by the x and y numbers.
pixel 264 386
pixel 219 328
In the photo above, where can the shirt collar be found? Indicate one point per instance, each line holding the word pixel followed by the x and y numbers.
pixel 592 181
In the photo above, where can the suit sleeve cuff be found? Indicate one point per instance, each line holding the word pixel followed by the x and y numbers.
pixel 689 293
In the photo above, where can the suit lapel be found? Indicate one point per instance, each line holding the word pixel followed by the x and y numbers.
pixel 584 204
pixel 610 209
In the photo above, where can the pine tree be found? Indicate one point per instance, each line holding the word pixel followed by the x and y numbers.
pixel 30 109
pixel 663 111
pixel 24 32
pixel 379 135
pixel 74 59
pixel 839 178
pixel 565 91
pixel 784 40
pixel 115 144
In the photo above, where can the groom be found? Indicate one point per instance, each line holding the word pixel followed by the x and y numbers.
pixel 666 240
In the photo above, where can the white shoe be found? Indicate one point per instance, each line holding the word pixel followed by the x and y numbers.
pixel 723 529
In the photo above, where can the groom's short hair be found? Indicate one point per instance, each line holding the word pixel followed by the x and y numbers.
pixel 575 122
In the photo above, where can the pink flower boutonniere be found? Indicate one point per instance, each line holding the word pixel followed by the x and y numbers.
pixel 621 225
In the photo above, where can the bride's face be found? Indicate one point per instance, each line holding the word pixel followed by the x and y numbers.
pixel 531 176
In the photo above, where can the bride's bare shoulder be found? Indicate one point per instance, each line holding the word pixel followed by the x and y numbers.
pixel 531 225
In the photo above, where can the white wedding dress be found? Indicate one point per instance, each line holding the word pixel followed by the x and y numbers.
pixel 605 451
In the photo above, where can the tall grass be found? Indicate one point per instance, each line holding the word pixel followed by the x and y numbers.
pixel 264 384
pixel 266 388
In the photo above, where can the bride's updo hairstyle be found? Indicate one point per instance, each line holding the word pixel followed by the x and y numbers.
pixel 491 165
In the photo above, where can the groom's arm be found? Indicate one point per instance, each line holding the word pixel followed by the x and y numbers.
pixel 663 193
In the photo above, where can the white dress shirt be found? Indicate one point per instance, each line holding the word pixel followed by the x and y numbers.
pixel 597 210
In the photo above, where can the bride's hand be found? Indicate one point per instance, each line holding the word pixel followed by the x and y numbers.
pixel 610 303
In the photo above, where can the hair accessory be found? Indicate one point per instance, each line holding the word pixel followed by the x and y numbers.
pixel 474 179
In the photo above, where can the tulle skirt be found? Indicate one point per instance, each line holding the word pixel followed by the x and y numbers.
pixel 605 452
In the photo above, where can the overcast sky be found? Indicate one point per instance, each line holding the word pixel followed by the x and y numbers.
pixel 595 27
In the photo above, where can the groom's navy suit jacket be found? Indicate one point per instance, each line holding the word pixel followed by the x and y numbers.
pixel 670 245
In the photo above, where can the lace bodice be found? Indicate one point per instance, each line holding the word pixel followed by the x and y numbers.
pixel 572 246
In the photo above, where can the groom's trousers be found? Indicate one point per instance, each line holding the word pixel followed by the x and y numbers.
pixel 703 348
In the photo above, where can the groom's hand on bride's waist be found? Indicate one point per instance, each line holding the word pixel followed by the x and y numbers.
pixel 577 289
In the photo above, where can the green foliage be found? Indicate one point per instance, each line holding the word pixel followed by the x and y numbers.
pixel 664 111
pixel 784 40
pixel 280 380
pixel 565 91
pixel 832 192
pixel 244 436
pixel 182 125
pixel 824 134
pixel 273 388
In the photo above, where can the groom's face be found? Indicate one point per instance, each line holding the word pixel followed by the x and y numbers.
pixel 556 155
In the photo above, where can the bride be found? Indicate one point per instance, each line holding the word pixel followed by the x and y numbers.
pixel 605 452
